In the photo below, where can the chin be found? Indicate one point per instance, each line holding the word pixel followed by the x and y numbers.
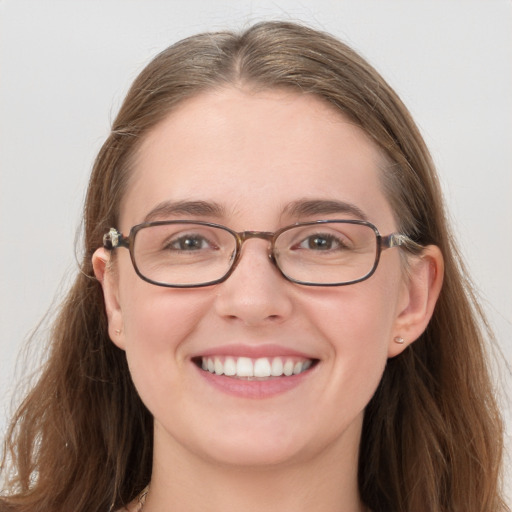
pixel 252 455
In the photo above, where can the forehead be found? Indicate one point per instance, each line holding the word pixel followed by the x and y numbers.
pixel 254 154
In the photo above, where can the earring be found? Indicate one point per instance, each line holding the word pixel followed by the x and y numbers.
pixel 118 331
pixel 399 340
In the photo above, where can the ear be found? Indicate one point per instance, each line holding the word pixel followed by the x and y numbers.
pixel 105 274
pixel 421 290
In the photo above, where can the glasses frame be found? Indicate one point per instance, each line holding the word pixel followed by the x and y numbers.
pixel 115 239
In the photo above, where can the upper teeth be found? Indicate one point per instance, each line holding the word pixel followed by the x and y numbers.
pixel 261 367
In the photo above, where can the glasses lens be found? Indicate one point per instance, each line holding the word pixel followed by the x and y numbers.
pixel 183 254
pixel 327 253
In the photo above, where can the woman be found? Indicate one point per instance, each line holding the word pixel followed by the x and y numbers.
pixel 270 311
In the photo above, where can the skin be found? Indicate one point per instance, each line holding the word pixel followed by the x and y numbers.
pixel 253 154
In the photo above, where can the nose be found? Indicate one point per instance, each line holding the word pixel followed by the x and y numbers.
pixel 255 293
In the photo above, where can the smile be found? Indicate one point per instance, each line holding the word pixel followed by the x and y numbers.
pixel 260 368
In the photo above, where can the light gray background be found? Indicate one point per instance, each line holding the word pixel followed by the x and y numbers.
pixel 66 65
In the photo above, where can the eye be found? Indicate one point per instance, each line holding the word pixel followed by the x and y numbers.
pixel 189 242
pixel 322 242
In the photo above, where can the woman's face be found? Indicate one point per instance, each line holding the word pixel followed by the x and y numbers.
pixel 255 159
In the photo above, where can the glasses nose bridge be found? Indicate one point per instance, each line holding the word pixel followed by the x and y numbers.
pixel 247 235
pixel 243 236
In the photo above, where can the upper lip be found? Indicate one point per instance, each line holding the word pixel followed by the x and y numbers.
pixel 252 351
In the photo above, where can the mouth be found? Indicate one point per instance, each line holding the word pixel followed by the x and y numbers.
pixel 261 368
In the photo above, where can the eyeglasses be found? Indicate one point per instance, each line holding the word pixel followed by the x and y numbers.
pixel 186 254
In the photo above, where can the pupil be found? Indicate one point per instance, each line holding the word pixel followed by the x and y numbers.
pixel 191 243
pixel 319 243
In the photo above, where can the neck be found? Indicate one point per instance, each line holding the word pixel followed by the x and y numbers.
pixel 326 482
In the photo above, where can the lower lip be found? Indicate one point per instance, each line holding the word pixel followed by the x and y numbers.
pixel 256 389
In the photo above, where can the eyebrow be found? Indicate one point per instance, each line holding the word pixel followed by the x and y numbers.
pixel 195 208
pixel 299 208
pixel 311 207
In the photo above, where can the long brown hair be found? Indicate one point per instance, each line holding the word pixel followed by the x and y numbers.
pixel 432 434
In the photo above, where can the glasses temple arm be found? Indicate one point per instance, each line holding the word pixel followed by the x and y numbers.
pixel 114 239
pixel 399 240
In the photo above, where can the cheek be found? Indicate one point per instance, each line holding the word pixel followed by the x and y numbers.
pixel 358 324
pixel 156 324
pixel 157 320
pixel 357 318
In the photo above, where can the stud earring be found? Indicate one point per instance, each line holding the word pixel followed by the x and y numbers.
pixel 118 331
pixel 399 340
